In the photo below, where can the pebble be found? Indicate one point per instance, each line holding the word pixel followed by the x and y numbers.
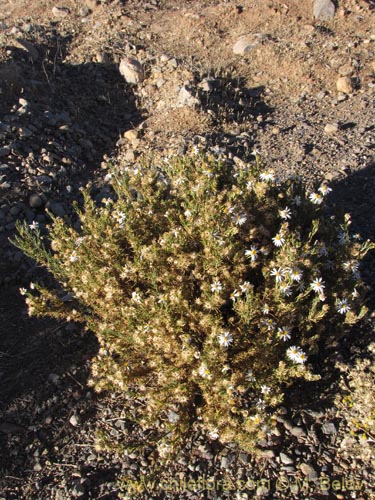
pixel 74 421
pixel 331 128
pixel 298 432
pixel 35 201
pixel 323 9
pixel 244 45
pixel 344 85
pixel 37 467
pixel 308 470
pixel 329 428
pixel 60 11
pixel 4 151
pixel 131 69
pixel 186 98
pixel 285 459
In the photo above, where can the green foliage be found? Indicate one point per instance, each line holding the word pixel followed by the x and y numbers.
pixel 208 286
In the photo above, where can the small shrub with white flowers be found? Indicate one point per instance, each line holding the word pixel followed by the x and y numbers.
pixel 209 287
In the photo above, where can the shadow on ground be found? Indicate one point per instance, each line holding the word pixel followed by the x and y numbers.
pixel 76 112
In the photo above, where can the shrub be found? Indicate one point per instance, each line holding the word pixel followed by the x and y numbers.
pixel 209 287
pixel 357 406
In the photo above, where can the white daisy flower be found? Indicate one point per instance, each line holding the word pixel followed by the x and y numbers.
pixel 286 213
pixel 355 293
pixel 316 198
pixel 265 309
pixel 285 289
pixel 257 419
pixel 187 213
pixel 225 339
pixel 296 274
pixel 136 297
pixel 278 240
pixel 342 306
pixel 279 274
pixel 34 226
pixel 267 176
pixel 234 295
pixel 252 253
pixel 284 333
pixel 260 404
pixel 296 354
pixel 204 372
pixel 245 286
pixel 265 389
pixel 250 376
pixel 318 285
pixel 239 219
pixel 269 323
pixel 216 286
pixel 73 257
pixel 79 241
pixel 324 189
pixel 351 265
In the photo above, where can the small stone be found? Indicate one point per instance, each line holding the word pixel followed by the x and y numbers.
pixel 74 421
pixel 329 428
pixel 323 9
pixel 37 467
pixel 298 432
pixel 206 85
pixel 224 462
pixel 344 85
pixel 60 11
pixel 331 128
pixel 247 43
pixel 285 459
pixel 186 98
pixel 4 151
pixel 131 69
pixel 308 470
pixel 35 201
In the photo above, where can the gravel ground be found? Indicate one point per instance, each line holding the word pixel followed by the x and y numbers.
pixel 65 111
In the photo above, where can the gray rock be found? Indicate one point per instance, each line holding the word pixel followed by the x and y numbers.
pixel 4 151
pixel 323 9
pixel 298 432
pixel 308 470
pixel 331 128
pixel 247 43
pixel 35 201
pixel 285 459
pixel 74 421
pixel 329 428
pixel 60 11
pixel 186 98
pixel 37 467
pixel 131 69
pixel 344 84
